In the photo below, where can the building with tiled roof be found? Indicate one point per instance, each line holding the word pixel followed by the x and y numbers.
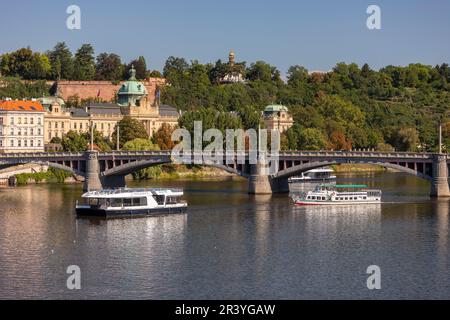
pixel 21 126
pixel 132 100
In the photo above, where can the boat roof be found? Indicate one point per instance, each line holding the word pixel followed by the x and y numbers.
pixel 131 192
pixel 321 170
pixel 343 186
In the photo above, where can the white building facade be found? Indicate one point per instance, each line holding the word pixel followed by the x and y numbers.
pixel 21 126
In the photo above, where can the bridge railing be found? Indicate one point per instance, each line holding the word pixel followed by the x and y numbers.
pixel 300 153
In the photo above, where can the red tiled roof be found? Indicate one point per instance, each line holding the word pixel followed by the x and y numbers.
pixel 21 105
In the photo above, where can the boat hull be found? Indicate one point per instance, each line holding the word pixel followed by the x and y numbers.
pixel 333 203
pixel 89 212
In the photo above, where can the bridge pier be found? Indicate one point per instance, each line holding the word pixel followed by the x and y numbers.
pixel 259 182
pixel 92 178
pixel 439 182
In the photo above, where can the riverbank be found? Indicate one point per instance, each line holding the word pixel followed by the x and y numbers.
pixel 343 168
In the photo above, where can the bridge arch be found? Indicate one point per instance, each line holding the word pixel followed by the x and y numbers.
pixel 130 167
pixel 45 163
pixel 293 171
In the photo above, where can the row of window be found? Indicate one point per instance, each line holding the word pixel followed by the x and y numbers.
pixel 25 120
pixel 23 143
pixel 80 125
pixel 25 132
pixel 337 198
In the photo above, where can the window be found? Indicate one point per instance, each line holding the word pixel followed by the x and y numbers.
pixel 12 131
pixel 139 202
pixel 11 143
pixel 62 125
pixel 159 199
pixel 1 120
pixel 19 143
pixel 32 120
pixel 25 143
pixel 56 125
pixel 75 126
pixel 116 203
pixel 39 131
pixel 31 143
pixel 39 143
pixel 1 143
pixel 19 132
pixel 39 120
pixel 25 120
pixel 127 202
pixel 31 131
pixel 20 120
pixel 12 120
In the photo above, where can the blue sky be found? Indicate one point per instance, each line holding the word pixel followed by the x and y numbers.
pixel 315 34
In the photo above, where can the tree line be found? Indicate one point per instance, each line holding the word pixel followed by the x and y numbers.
pixel 349 107
pixel 60 63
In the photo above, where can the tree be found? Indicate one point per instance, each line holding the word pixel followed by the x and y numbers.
pixel 85 63
pixel 26 64
pixel 163 137
pixel 140 66
pixel 311 139
pixel 263 71
pixel 174 70
pixel 130 129
pixel 61 60
pixel 139 144
pixel 74 142
pixel 296 75
pixel 407 139
pixel 338 141
pixel 109 67
pixel 250 116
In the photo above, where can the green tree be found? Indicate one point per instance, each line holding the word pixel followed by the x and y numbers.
pixel 311 139
pixel 85 63
pixel 139 144
pixel 109 67
pixel 130 129
pixel 74 142
pixel 140 66
pixel 61 60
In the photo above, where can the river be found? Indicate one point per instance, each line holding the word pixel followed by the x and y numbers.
pixel 229 245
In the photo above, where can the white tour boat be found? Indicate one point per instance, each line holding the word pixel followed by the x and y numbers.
pixel 321 174
pixel 127 202
pixel 329 194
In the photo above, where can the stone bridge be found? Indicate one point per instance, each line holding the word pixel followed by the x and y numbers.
pixel 108 169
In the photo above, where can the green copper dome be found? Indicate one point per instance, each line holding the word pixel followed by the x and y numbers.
pixel 132 90
pixel 275 108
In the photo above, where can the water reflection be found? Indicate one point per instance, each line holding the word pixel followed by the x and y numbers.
pixel 228 246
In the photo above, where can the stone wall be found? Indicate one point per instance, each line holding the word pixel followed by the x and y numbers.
pixel 107 89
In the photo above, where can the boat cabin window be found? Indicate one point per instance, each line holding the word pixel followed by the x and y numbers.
pixel 128 202
pixel 159 199
pixel 173 200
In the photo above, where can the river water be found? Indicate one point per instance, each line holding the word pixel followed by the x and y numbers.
pixel 228 246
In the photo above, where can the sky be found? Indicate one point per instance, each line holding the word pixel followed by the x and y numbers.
pixel 314 34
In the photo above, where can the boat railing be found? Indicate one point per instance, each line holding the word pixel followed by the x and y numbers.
pixel 127 190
